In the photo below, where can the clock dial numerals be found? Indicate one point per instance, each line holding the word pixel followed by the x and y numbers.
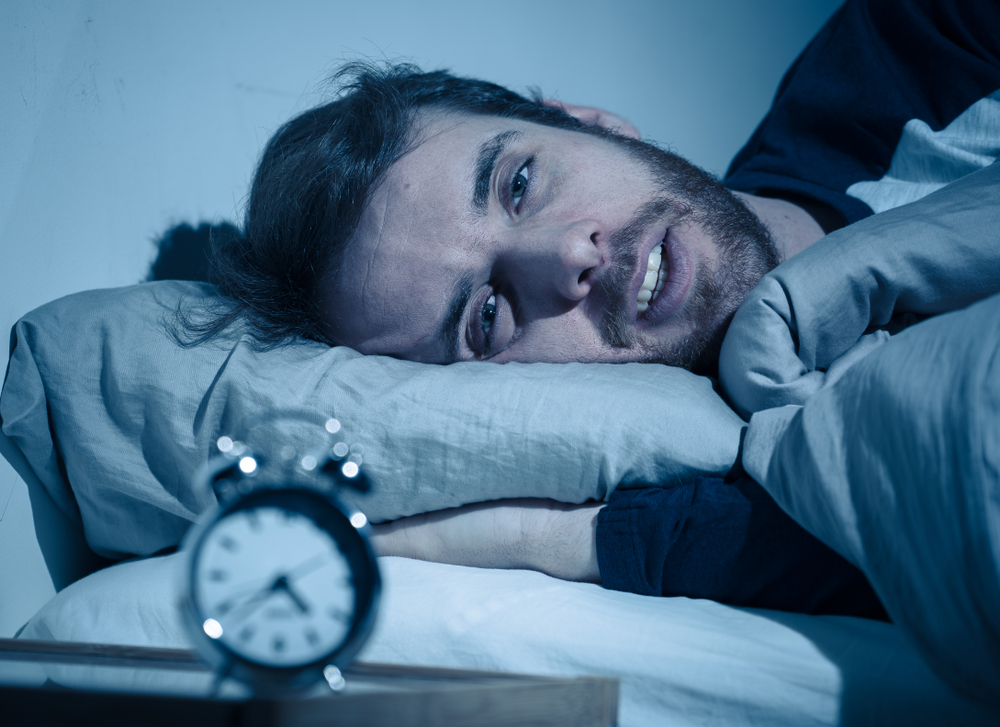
pixel 277 584
pixel 337 614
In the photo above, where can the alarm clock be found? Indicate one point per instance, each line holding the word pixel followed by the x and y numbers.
pixel 281 584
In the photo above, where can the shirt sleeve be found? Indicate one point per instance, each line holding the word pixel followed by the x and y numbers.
pixel 728 542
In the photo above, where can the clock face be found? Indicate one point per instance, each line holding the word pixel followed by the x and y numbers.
pixel 273 587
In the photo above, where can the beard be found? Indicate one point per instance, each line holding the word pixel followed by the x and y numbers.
pixel 745 252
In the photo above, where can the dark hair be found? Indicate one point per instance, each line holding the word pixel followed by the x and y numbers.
pixel 313 181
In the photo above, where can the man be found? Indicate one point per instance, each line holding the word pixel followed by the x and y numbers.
pixel 441 219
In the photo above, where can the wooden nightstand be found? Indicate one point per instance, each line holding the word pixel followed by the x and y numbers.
pixel 51 682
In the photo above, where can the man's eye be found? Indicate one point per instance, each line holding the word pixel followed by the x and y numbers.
pixel 492 322
pixel 489 313
pixel 519 185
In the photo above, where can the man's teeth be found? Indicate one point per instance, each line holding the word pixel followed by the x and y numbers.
pixel 655 278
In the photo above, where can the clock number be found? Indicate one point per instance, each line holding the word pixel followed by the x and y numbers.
pixel 246 633
pixel 337 614
pixel 229 544
pixel 312 637
pixel 218 575
pixel 278 644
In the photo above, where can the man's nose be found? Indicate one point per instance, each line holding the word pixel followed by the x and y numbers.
pixel 567 259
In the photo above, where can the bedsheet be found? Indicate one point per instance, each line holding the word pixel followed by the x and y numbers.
pixel 680 661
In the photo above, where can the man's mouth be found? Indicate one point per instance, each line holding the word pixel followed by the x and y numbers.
pixel 655 279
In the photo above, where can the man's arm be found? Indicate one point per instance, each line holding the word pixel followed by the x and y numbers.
pixel 536 534
pixel 708 538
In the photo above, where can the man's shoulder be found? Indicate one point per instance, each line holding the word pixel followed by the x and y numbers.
pixel 840 112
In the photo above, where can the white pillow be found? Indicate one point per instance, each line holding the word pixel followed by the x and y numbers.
pixel 681 661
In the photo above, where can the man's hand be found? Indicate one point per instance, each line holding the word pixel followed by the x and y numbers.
pixel 596 117
pixel 536 534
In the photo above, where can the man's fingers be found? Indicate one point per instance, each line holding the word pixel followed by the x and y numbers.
pixel 596 117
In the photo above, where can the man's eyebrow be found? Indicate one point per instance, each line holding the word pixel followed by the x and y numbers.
pixel 489 152
pixel 448 332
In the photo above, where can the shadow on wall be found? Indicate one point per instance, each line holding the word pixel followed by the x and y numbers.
pixel 185 253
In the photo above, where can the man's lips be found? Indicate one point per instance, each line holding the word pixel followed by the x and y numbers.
pixel 676 273
pixel 653 240
pixel 653 281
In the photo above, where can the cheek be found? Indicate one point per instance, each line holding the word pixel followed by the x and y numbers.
pixel 563 339
pixel 701 243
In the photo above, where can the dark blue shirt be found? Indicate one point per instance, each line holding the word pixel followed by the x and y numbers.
pixel 840 110
pixel 727 541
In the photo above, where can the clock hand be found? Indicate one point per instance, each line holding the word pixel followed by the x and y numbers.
pixel 309 565
pixel 227 605
pixel 252 585
pixel 280 584
pixel 255 600
pixel 296 599
pixel 302 569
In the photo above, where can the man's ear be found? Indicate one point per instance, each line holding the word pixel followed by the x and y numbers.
pixel 596 117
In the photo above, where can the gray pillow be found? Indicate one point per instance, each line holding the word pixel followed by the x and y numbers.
pixel 115 416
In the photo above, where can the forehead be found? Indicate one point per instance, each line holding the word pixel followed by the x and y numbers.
pixel 429 187
pixel 444 154
pixel 418 235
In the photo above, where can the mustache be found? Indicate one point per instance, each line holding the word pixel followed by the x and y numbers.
pixel 614 285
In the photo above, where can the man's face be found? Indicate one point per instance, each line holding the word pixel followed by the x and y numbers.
pixel 503 240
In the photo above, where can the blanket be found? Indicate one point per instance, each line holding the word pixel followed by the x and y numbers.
pixel 888 448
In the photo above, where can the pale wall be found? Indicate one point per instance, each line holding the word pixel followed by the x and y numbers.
pixel 122 118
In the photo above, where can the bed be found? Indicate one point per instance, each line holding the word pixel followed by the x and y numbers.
pixel 106 415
